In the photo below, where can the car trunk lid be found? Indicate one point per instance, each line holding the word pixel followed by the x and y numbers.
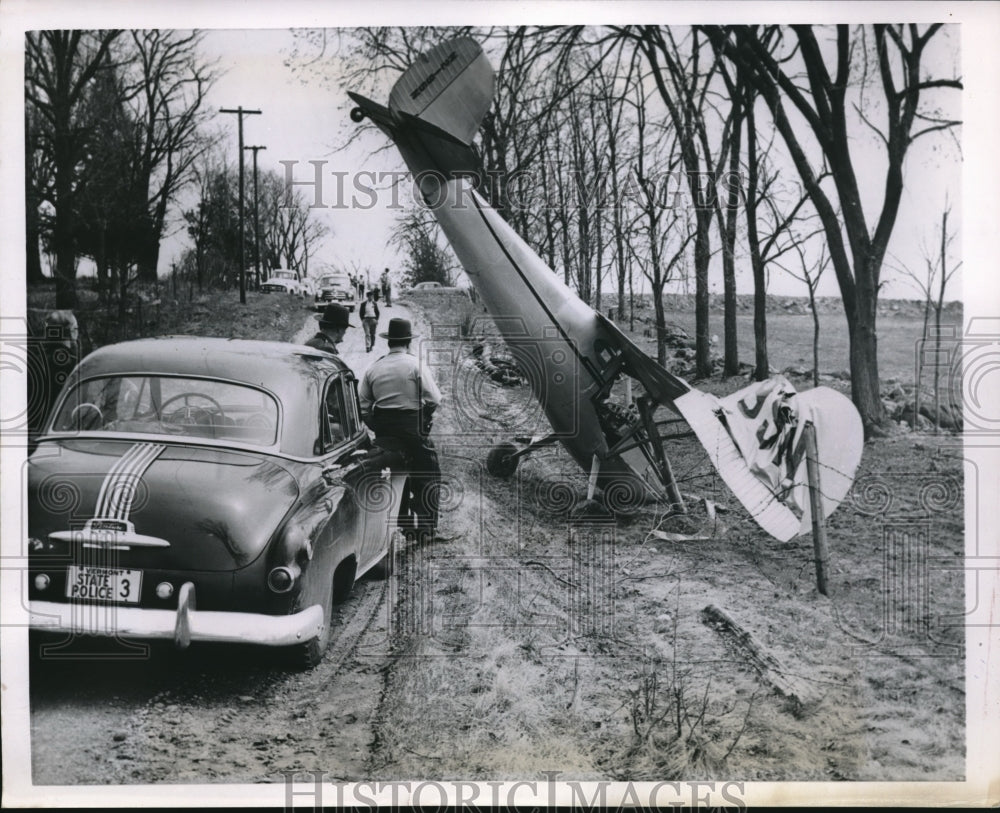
pixel 171 506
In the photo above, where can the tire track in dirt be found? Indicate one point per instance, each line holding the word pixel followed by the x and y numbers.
pixel 236 720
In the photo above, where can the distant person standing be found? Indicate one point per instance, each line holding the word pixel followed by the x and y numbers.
pixel 398 397
pixel 369 319
pixel 386 289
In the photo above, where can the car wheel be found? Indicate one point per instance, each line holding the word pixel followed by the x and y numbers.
pixel 387 566
pixel 309 654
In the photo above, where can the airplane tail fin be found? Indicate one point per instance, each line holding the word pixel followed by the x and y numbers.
pixel 449 88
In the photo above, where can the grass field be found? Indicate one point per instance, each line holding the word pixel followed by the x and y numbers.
pixel 789 341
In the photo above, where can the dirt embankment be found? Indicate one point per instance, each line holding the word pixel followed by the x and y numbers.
pixel 529 642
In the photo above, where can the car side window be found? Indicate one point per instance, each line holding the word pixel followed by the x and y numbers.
pixel 341 418
pixel 334 431
pixel 354 411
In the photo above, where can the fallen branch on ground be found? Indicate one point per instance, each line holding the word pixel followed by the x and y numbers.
pixel 765 664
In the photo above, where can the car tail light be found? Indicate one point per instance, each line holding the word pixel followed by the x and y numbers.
pixel 282 579
pixel 41 581
pixel 164 590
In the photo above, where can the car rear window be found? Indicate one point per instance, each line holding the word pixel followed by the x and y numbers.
pixel 172 406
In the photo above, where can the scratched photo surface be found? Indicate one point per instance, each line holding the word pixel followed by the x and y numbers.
pixel 683 478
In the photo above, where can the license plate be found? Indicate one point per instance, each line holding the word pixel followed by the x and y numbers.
pixel 103 584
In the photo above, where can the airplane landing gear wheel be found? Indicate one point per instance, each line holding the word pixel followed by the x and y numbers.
pixel 590 510
pixel 500 462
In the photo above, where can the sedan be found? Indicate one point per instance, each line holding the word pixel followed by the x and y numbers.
pixel 194 489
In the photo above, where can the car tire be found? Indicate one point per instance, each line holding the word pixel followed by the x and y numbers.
pixel 387 565
pixel 308 655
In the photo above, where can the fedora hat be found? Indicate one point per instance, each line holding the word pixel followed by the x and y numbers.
pixel 334 315
pixel 398 329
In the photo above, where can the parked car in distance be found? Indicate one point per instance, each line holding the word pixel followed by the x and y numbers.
pixel 195 489
pixel 335 288
pixel 282 281
pixel 426 286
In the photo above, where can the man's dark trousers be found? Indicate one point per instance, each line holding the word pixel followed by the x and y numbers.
pixel 402 430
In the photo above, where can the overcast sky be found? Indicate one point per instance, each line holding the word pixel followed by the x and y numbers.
pixel 305 121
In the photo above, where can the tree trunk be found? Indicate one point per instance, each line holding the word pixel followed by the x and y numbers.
pixel 864 356
pixel 761 364
pixel 33 260
pixel 63 244
pixel 702 257
pixel 731 362
pixel 920 362
pixel 33 233
pixel 631 301
pixel 815 316
pixel 661 326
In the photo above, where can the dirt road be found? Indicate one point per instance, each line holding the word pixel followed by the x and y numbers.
pixel 532 643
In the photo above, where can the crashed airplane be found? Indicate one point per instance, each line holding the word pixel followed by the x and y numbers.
pixel 573 356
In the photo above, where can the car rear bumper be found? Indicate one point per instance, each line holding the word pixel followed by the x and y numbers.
pixel 183 625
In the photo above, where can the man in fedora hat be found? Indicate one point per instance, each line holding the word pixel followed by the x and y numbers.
pixel 333 324
pixel 398 397
pixel 369 319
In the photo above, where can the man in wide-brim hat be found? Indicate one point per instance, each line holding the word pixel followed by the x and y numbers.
pixel 333 324
pixel 398 397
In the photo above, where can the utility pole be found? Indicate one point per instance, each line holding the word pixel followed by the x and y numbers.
pixel 256 214
pixel 243 282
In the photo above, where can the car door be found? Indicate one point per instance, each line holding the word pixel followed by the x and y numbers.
pixel 372 492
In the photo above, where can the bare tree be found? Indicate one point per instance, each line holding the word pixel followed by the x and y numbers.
pixel 809 270
pixel 939 268
pixel 683 72
pixel 59 65
pixel 824 102
pixel 166 85
pixel 418 234
pixel 666 228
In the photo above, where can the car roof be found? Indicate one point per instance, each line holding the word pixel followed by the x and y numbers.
pixel 292 372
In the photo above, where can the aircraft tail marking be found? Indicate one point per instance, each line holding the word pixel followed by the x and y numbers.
pixel 450 87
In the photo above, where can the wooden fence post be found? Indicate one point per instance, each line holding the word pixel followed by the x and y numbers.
pixel 820 550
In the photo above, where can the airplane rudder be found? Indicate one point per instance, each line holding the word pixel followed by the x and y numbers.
pixel 449 87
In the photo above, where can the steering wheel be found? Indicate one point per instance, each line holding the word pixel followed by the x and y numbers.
pixel 257 420
pixel 191 413
pixel 75 416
